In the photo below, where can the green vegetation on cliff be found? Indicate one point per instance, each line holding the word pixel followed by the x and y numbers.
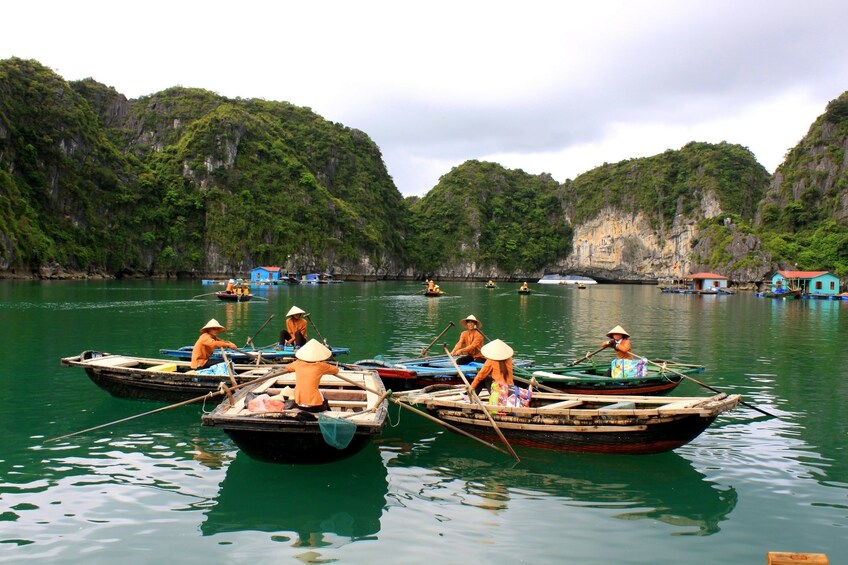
pixel 184 180
pixel 493 217
pixel 804 217
pixel 671 184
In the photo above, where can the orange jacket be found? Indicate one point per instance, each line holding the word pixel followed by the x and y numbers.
pixel 293 326
pixel 470 342
pixel 622 348
pixel 307 378
pixel 501 372
pixel 204 347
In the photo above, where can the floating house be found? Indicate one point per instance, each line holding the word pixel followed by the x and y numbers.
pixel 707 282
pixel 265 274
pixel 811 283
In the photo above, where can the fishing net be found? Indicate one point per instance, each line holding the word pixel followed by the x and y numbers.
pixel 337 432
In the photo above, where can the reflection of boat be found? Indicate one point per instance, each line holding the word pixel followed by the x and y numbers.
pixel 267 353
pixel 294 436
pixel 165 380
pixel 664 487
pixel 344 499
pixel 566 279
pixel 599 424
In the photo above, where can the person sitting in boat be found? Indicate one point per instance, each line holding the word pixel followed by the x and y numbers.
pixel 230 286
pixel 490 283
pixel 308 369
pixel 496 372
pixel 470 341
pixel 431 285
pixel 206 344
pixel 624 365
pixel 524 286
pixel 295 332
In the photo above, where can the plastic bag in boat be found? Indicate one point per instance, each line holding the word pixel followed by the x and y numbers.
pixel 628 368
pixel 219 369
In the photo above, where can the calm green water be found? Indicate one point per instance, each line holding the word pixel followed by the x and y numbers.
pixel 164 488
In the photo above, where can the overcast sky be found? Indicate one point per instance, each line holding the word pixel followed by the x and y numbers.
pixel 558 87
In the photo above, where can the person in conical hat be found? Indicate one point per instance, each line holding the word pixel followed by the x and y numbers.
pixel 308 369
pixel 470 341
pixel 496 372
pixel 620 341
pixel 295 330
pixel 206 344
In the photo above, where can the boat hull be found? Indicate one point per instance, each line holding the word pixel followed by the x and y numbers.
pixel 294 436
pixel 294 443
pixel 268 353
pixel 626 440
pixel 233 297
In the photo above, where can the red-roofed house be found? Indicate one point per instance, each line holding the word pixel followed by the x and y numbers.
pixel 810 282
pixel 707 281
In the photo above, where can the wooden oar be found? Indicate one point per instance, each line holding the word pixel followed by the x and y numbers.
pixel 177 405
pixel 262 327
pixel 309 319
pixel 479 402
pixel 534 383
pixel 424 414
pixel 424 351
pixel 585 357
pixel 699 383
pixel 201 295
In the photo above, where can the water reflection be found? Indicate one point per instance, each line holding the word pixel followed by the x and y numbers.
pixel 664 487
pixel 309 505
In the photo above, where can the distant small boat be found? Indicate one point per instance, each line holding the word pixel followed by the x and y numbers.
pixel 490 285
pixel 581 285
pixel 433 293
pixel 566 279
pixel 267 353
pixel 785 295
pixel 524 291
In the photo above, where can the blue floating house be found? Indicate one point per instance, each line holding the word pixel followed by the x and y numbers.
pixel 811 283
pixel 265 274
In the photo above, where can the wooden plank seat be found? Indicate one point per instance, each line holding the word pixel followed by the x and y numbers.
pixel 562 405
pixel 618 406
pixel 116 361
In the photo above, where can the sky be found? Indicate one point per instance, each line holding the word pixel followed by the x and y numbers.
pixel 556 87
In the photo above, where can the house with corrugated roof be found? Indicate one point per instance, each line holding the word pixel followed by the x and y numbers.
pixel 265 274
pixel 707 281
pixel 813 283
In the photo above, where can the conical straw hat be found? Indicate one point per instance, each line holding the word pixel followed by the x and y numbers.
pixel 294 310
pixel 497 350
pixel 618 330
pixel 470 318
pixel 313 351
pixel 213 324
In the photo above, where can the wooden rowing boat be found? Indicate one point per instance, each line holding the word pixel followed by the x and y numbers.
pixel 587 423
pixel 433 293
pixel 272 352
pixel 419 373
pixel 294 436
pixel 165 380
pixel 588 378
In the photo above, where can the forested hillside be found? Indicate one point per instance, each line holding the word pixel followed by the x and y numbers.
pixel 187 182
pixel 184 180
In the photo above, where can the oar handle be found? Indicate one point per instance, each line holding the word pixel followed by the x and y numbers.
pixel 479 402
pixel 272 374
pixel 432 343
pixel 699 383
pixel 586 357
pixel 424 414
